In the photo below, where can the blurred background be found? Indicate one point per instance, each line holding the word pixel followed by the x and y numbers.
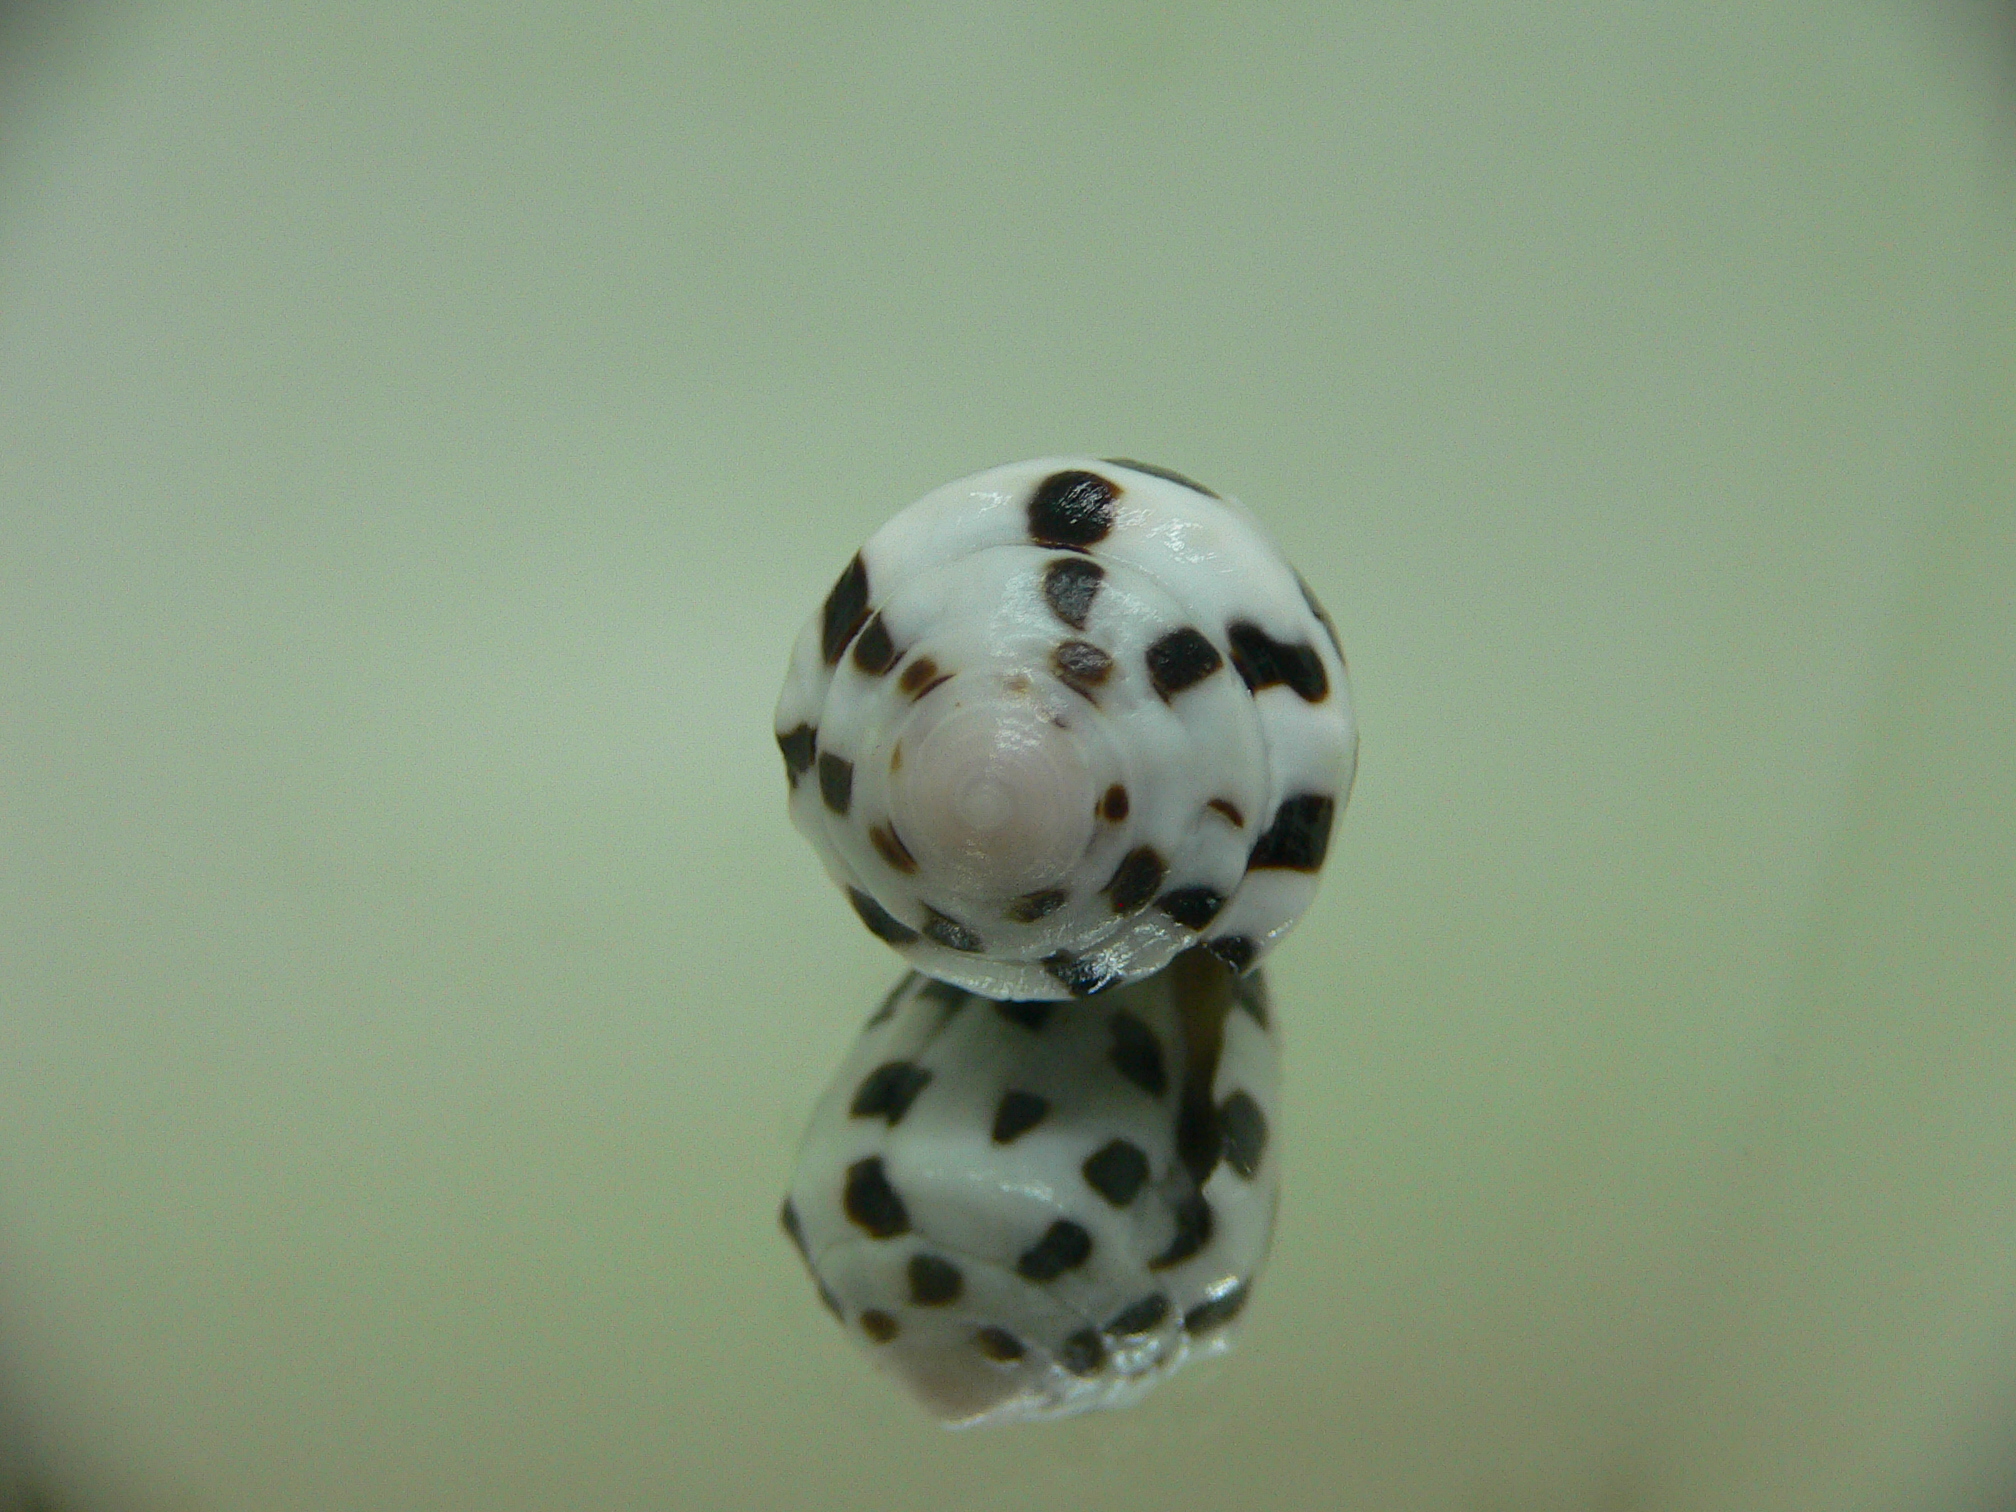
pixel 423 429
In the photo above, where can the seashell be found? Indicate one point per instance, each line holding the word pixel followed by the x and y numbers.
pixel 1063 719
pixel 1028 1209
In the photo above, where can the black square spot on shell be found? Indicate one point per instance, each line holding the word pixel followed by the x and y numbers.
pixel 1192 907
pixel 1135 879
pixel 1263 662
pixel 836 781
pixel 1030 907
pixel 919 675
pixel 890 847
pixel 1217 1312
pixel 1236 951
pixel 1116 1171
pixel 998 1345
pixel 1072 508
pixel 888 1005
pixel 1113 807
pixel 878 1325
pixel 1167 474
pixel 944 930
pixel 1018 1113
pixel 1299 837
pixel 1194 1223
pixel 1082 1353
pixel 1080 975
pixel 888 1090
pixel 798 746
pixel 871 1202
pixel 1244 1128
pixel 846 607
pixel 1141 1317
pixel 874 652
pixel 1181 659
pixel 1250 993
pixel 881 923
pixel 787 1215
pixel 1199 1142
pixel 1032 1015
pixel 934 1281
pixel 1064 1246
pixel 1137 1054
pixel 1070 584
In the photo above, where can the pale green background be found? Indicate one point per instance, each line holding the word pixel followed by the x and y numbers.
pixel 422 430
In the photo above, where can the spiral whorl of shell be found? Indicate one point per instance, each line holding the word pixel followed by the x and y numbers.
pixel 1062 719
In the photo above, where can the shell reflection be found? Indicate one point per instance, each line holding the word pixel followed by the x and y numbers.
pixel 1029 1209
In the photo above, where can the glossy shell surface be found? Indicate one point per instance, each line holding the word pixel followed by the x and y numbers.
pixel 1058 721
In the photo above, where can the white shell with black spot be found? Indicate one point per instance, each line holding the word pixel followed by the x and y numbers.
pixel 1062 719
pixel 1025 1210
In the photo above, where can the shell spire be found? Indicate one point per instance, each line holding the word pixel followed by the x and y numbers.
pixel 1063 719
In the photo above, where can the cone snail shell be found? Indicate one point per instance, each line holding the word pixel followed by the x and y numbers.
pixel 1060 720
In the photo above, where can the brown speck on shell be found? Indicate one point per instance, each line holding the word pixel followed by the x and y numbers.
pixel 920 677
pixel 889 845
pixel 878 1325
pixel 918 673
